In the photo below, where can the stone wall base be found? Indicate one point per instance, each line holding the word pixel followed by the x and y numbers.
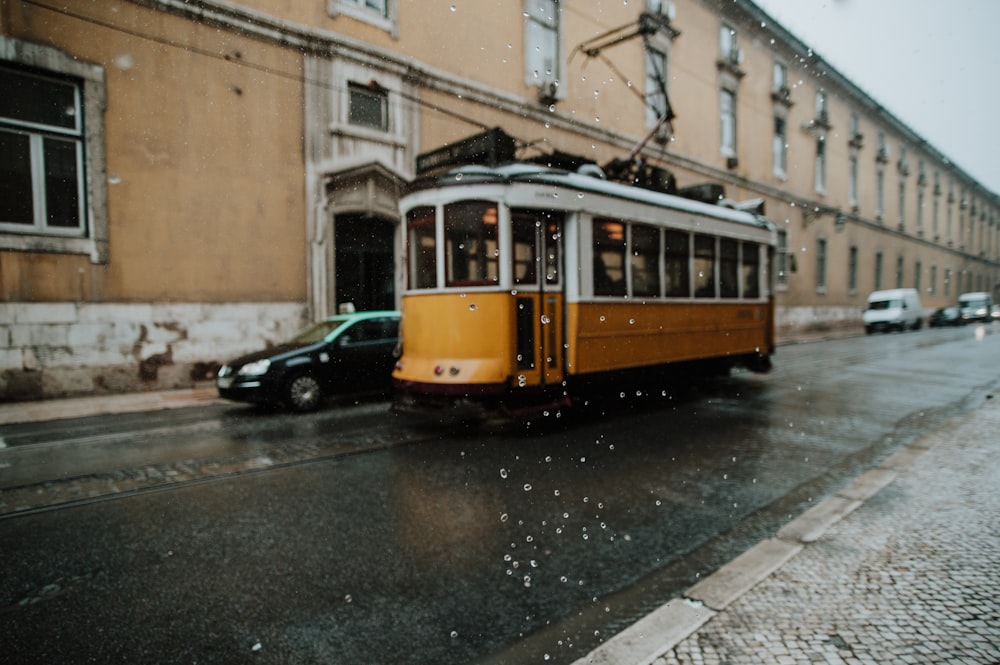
pixel 50 350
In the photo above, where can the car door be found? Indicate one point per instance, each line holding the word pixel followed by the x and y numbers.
pixel 363 355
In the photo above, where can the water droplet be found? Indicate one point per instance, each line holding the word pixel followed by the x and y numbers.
pixel 503 473
pixel 504 517
pixel 454 633
pixel 527 487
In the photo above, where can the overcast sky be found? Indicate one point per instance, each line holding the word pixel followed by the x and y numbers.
pixel 932 63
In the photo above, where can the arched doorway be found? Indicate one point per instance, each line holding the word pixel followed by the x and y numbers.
pixel 352 253
pixel 364 262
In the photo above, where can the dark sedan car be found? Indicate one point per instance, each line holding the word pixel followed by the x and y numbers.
pixel 348 353
pixel 946 316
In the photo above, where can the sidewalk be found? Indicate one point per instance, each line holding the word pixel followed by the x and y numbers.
pixel 898 567
pixel 80 407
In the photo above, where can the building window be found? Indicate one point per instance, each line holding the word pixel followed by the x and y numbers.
pixel 779 147
pixel 949 214
pixel 727 105
pixel 947 282
pixel 542 37
pixel 899 272
pixel 881 159
pixel 383 14
pixel 878 270
pixel 879 192
pixel 852 269
pixel 379 7
pixel 902 205
pixel 822 113
pixel 821 164
pixel 917 269
pixel 41 154
pixel 780 79
pixel 368 106
pixel 782 259
pixel 932 288
pixel 51 150
pixel 728 48
pixel 821 265
pixel 852 181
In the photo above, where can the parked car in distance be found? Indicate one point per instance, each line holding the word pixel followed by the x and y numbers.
pixel 975 306
pixel 945 316
pixel 347 353
pixel 894 309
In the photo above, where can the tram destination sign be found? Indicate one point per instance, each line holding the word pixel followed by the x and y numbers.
pixel 490 148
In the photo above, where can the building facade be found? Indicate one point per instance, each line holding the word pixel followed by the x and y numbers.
pixel 184 180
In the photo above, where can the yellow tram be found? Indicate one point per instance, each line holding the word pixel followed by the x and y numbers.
pixel 525 283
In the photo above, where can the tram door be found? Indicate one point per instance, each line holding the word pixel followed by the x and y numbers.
pixel 537 239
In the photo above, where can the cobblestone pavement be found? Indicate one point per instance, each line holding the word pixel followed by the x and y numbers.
pixel 910 576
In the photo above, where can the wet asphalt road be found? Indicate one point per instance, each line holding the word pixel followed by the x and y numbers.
pixel 382 542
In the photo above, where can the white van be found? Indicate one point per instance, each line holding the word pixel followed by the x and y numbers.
pixel 895 309
pixel 975 306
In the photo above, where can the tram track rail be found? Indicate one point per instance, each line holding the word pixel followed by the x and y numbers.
pixel 33 498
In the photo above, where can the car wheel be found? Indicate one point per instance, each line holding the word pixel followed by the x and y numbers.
pixel 303 393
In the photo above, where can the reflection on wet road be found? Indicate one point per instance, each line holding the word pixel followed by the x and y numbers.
pixel 469 547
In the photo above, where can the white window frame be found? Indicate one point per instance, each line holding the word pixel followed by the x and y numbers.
pixel 779 75
pixel 779 147
pixel 383 14
pixel 91 238
pixel 543 50
pixel 820 165
pixel 727 122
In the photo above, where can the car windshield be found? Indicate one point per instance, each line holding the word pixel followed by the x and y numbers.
pixel 974 302
pixel 318 332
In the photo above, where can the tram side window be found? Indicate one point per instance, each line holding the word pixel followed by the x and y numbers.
pixel 645 252
pixel 751 270
pixel 422 254
pixel 676 255
pixel 729 268
pixel 704 266
pixel 609 258
pixel 471 249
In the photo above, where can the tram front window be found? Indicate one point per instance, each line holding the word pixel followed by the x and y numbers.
pixel 526 229
pixel 471 250
pixel 422 256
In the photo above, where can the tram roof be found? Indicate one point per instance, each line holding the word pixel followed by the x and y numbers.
pixel 590 179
